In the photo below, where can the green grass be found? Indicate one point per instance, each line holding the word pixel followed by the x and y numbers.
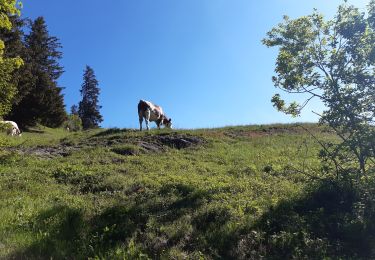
pixel 110 198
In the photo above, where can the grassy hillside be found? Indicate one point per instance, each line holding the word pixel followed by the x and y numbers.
pixel 236 192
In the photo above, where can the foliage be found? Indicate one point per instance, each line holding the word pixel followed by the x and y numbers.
pixel 74 123
pixel 333 61
pixel 40 100
pixel 6 128
pixel 74 110
pixel 22 78
pixel 8 7
pixel 7 90
pixel 7 64
pixel 89 108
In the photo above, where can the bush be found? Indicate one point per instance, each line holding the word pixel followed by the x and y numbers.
pixel 73 123
pixel 5 128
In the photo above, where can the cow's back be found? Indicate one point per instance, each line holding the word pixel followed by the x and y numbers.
pixel 12 123
pixel 143 105
pixel 156 112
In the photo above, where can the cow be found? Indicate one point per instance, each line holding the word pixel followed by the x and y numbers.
pixel 12 128
pixel 153 113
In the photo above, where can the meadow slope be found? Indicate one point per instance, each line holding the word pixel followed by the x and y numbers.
pixel 243 192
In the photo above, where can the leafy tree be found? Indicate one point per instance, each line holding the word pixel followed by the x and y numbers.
pixel 7 64
pixel 22 78
pixel 333 61
pixel 88 107
pixel 42 101
pixel 73 123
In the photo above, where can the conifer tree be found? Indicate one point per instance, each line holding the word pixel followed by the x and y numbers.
pixel 88 107
pixel 43 102
pixel 74 110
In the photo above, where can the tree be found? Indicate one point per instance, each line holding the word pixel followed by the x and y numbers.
pixel 73 123
pixel 74 110
pixel 88 107
pixel 333 61
pixel 42 101
pixel 7 64
pixel 22 78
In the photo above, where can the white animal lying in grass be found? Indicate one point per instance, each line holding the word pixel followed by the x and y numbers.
pixel 12 128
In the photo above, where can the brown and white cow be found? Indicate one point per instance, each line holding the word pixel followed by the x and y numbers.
pixel 153 113
pixel 12 128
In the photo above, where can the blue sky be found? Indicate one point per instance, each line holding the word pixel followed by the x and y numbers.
pixel 201 60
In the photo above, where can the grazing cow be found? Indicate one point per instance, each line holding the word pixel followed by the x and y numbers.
pixel 13 129
pixel 154 113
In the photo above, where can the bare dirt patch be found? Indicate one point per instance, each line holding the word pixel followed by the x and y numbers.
pixel 44 151
pixel 177 141
pixel 161 143
pixel 123 145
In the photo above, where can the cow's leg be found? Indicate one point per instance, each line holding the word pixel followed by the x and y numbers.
pixel 140 122
pixel 159 122
pixel 147 118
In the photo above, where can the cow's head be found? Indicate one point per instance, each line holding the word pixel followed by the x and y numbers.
pixel 19 133
pixel 167 122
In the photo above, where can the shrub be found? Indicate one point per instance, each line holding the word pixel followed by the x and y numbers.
pixel 5 128
pixel 74 123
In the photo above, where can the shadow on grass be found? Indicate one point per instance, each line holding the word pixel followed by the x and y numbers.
pixel 58 235
pixel 333 221
pixel 62 232
pixel 330 221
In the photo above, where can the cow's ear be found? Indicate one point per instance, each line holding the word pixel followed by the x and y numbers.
pixel 170 120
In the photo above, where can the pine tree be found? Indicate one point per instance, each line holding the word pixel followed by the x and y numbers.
pixel 88 107
pixel 42 101
pixel 74 110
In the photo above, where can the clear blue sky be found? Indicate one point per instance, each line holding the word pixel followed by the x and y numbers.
pixel 201 60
